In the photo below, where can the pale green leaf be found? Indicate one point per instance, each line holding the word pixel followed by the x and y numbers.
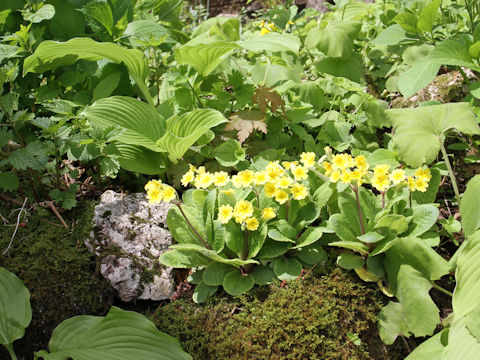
pixel 334 37
pixel 237 284
pixel 417 77
pixel 229 153
pixel 272 42
pixel 452 52
pixel 350 261
pixel 427 17
pixel 391 323
pixel 392 35
pixel 138 159
pixel 46 12
pixel 469 207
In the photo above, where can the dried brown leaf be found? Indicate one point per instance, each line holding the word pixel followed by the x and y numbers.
pixel 245 122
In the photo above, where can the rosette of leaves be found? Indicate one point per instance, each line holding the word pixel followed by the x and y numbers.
pixel 234 258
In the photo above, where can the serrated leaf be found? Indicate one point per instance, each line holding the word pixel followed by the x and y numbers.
pixel 8 181
pixel 46 12
pixel 427 17
pixel 101 12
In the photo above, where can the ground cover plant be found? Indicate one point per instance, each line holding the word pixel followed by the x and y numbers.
pixel 277 139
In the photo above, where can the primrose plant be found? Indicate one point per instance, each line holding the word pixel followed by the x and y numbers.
pixel 249 228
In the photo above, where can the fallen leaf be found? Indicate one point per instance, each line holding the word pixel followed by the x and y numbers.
pixel 245 122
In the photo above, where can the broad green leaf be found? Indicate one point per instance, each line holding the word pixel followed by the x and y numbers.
pixel 417 77
pixel 138 159
pixel 287 268
pixel 351 68
pixel 15 311
pixel 308 237
pixel 392 35
pixel 180 229
pixel 370 237
pixel 256 239
pixel 408 21
pixel 212 254
pixel 141 123
pixel 215 273
pixel 452 52
pixel 312 254
pixel 184 130
pixel 392 223
pixel 432 348
pixel 278 236
pixel 203 292
pixel 205 57
pixel 428 15
pixel 469 207
pixel 106 86
pixel 46 12
pixel 263 275
pixel 8 181
pixel 418 131
pixel 99 12
pixel 120 335
pixel 342 228
pixel 51 54
pixel 416 53
pixel 352 245
pixel 146 33
pixel 349 261
pixel 424 217
pixel 334 38
pixel 237 284
pixel 272 42
pixel 183 259
pixel 271 249
pixel 323 194
pixel 168 10
pixel 229 153
pixel 391 323
pixel 68 22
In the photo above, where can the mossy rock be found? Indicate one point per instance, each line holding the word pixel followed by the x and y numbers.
pixel 60 273
pixel 315 317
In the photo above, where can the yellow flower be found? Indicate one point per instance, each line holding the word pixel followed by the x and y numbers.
pixel 270 189
pixel 411 183
pixel 260 178
pixel 281 196
pixel 381 182
pixel 381 170
pixel 201 170
pixel 169 193
pixel 203 180
pixel 421 184
pixel 220 178
pixel 283 182
pixel 229 192
pixel 154 189
pixel 423 173
pixel 192 168
pixel 289 164
pixel 245 177
pixel 397 176
pixel 252 224
pixel 346 177
pixel 236 181
pixel 358 176
pixel 268 213
pixel 308 159
pixel 335 176
pixel 264 31
pixel 243 209
pixel 225 213
pixel 299 172
pixel 328 167
pixel 299 191
pixel 153 185
pixel 361 162
pixel 274 170
pixel 342 161
pixel 187 178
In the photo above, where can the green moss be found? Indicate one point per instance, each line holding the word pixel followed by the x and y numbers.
pixel 309 318
pixel 60 273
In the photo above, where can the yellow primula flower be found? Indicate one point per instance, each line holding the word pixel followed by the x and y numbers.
pixel 229 192
pixel 252 224
pixel 299 191
pixel 187 178
pixel 153 185
pixel 328 167
pixel 236 181
pixel 281 196
pixel 203 180
pixel 381 169
pixel 308 159
pixel 268 213
pixel 201 170
pixel 245 177
pixel 289 164
pixel 220 178
pixel 423 173
pixel 274 170
pixel 411 183
pixel 381 182
pixel 283 182
pixel 361 162
pixel 192 168
pixel 358 175
pixel 243 209
pixel 343 161
pixel 299 172
pixel 346 177
pixel 335 176
pixel 397 176
pixel 169 193
pixel 225 213
pixel 260 178
pixel 270 189
pixel 264 31
pixel 421 184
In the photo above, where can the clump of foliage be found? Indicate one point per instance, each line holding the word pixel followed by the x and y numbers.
pixel 59 271
pixel 314 317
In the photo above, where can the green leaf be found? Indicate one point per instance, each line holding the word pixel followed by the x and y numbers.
pixel 391 323
pixel 351 68
pixel 106 86
pixel 256 239
pixel 119 335
pixel 370 237
pixel 203 292
pixel 418 131
pixel 229 153
pixel 101 12
pixel 352 245
pixel 350 261
pixel 452 52
pixel 8 181
pixel 272 42
pixel 215 273
pixel 237 284
pixel 68 22
pixel 417 77
pixel 46 12
pixel 183 259
pixel 183 131
pixel 263 275
pixel 432 348
pixel 212 254
pixel 392 35
pixel 428 15
pixel 144 33
pixel 138 159
pixel 276 235
pixel 323 194
pixel 140 122
pixel 469 207
pixel 334 38
pixel 392 223
pixel 312 254
pixel 181 231
pixel 168 10
pixel 15 310
pixel 287 268
pixel 271 249
pixel 424 217
pixel 342 227
pixel 408 21
pixel 308 237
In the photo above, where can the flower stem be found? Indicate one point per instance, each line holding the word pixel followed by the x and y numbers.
pixel 439 288
pixel 359 210
pixel 450 172
pixel 245 249
pixel 11 352
pixel 383 200
pixel 191 226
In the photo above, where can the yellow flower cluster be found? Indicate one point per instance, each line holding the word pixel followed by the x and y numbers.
pixel 157 192
pixel 280 182
pixel 243 214
pixel 355 171
pixel 267 27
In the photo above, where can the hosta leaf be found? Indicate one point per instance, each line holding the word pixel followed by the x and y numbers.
pixel 120 335
pixel 469 207
pixel 183 131
pixel 140 122
pixel 138 159
pixel 418 131
pixel 431 349
pixel 15 311
pixel 168 10
pixel 272 42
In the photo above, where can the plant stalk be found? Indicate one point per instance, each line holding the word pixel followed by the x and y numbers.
pixel 191 226
pixel 245 249
pixel 439 288
pixel 450 172
pixel 11 352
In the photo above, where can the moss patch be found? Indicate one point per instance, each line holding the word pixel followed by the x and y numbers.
pixel 316 317
pixel 60 273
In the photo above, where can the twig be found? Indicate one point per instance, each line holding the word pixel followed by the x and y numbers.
pixel 16 227
pixel 406 343
pixel 55 211
pixel 7 199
